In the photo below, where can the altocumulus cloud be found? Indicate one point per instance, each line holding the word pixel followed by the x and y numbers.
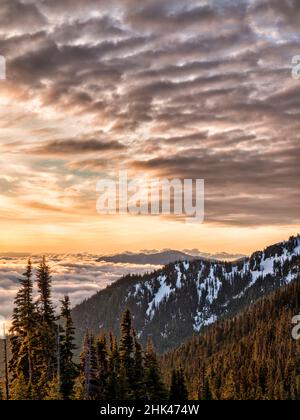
pixel 194 89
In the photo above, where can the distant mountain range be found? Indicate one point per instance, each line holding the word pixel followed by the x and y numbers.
pixel 166 257
pixel 152 257
pixel 184 297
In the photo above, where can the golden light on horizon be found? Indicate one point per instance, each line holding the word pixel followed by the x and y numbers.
pixel 119 233
pixel 70 114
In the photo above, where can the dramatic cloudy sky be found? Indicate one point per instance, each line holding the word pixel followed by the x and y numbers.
pixel 190 89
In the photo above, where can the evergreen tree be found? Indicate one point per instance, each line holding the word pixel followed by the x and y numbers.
pixel 126 352
pixel 183 387
pixel 68 369
pixel 46 352
pixel 178 390
pixel 102 364
pixel 174 392
pixel 139 387
pixel 44 281
pixel 87 387
pixel 20 389
pixel 22 336
pixel 207 394
pixel 113 383
pixel 155 387
pixel 53 390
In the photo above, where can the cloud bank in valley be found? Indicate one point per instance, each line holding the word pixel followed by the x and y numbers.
pixel 79 276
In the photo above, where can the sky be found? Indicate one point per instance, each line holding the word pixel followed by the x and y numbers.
pixel 178 89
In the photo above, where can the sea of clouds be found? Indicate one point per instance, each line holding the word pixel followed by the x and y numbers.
pixel 77 275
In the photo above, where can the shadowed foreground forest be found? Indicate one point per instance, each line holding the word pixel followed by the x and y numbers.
pixel 252 356
pixel 42 364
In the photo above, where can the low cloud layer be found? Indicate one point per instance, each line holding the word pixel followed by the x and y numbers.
pixel 79 276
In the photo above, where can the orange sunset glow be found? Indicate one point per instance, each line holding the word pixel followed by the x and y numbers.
pixel 108 88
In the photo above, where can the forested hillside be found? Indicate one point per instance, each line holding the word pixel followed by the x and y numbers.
pixel 172 304
pixel 252 356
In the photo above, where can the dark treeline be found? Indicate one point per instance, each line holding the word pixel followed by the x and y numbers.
pixel 42 349
pixel 250 357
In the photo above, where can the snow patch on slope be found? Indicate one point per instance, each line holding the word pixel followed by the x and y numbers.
pixel 210 279
pixel 207 289
pixel 163 293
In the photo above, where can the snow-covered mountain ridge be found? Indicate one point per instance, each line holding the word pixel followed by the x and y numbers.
pixel 179 300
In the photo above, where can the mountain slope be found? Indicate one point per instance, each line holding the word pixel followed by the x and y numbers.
pixel 173 303
pixel 251 356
